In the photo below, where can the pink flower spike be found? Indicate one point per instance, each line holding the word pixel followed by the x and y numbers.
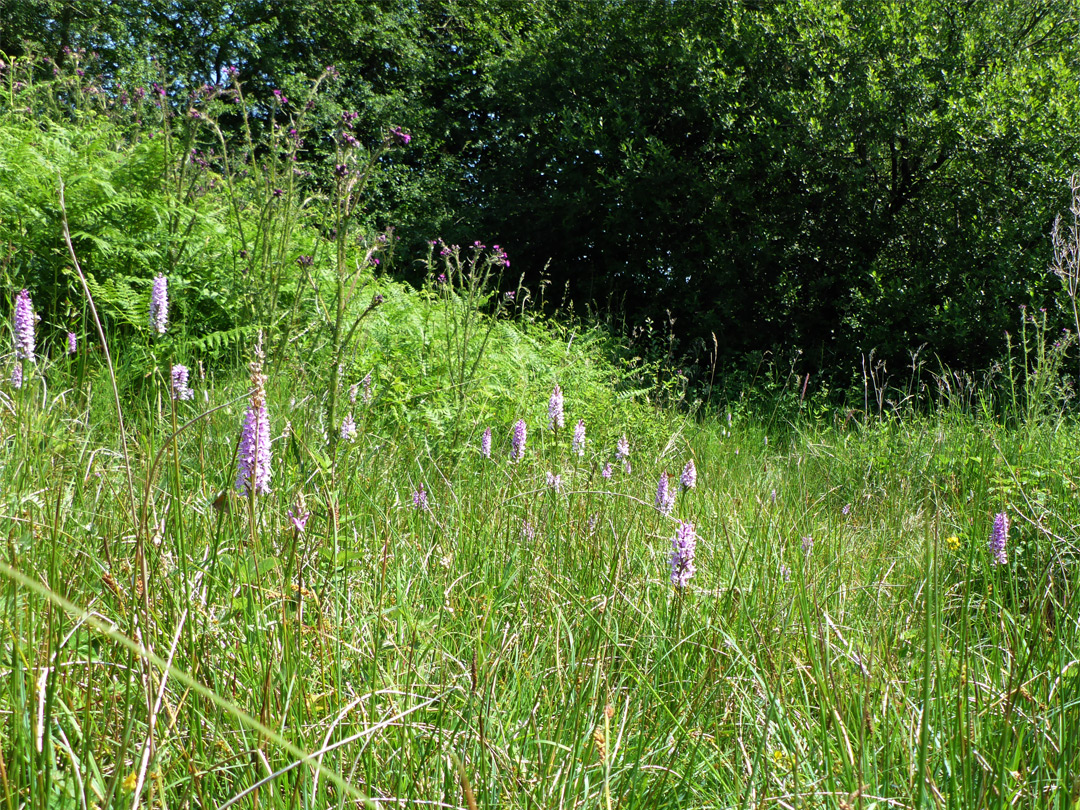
pixel 159 304
pixel 556 419
pixel 25 318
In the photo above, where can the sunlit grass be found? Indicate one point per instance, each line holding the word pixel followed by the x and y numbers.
pixel 531 633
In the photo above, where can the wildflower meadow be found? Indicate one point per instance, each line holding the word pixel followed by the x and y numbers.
pixel 284 530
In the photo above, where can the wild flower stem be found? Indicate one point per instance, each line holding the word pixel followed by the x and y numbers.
pixel 105 349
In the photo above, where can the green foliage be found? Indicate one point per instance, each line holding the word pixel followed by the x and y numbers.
pixel 828 175
pixel 125 225
pixel 834 176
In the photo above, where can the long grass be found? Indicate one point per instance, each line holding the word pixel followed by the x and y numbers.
pixel 847 640
pixel 511 645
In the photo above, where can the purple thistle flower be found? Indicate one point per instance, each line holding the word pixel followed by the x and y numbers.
pixel 665 496
pixel 999 537
pixel 606 472
pixel 159 304
pixel 578 444
pixel 253 459
pixel 689 475
pixel 555 409
pixel 73 343
pixel 521 432
pixel 485 444
pixel 24 327
pixel 554 481
pixel 180 388
pixel 622 449
pixel 683 547
pixel 17 376
pixel 419 499
pixel 348 428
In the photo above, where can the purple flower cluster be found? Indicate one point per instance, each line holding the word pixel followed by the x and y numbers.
pixel 419 498
pixel 180 389
pixel 689 475
pixel 485 444
pixel 554 481
pixel 348 428
pixel 578 443
pixel 606 472
pixel 999 538
pixel 253 461
pixel 299 514
pixel 17 376
pixel 159 304
pixel 665 495
pixel 24 327
pixel 807 545
pixel 400 136
pixel 556 419
pixel 521 432
pixel 622 449
pixel 72 343
pixel 683 547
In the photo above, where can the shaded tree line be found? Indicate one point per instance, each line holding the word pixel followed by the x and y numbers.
pixel 832 176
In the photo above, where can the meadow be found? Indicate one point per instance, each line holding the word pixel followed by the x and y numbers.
pixel 427 614
pixel 282 531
